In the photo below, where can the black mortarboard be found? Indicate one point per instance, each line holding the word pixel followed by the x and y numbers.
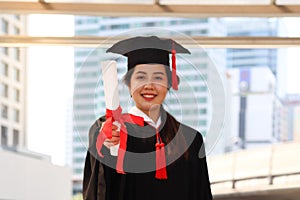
pixel 144 50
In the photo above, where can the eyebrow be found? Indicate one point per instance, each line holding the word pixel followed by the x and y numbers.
pixel 159 73
pixel 141 72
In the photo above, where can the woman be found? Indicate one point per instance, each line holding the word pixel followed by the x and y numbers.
pixel 163 157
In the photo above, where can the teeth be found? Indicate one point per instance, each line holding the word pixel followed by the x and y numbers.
pixel 148 95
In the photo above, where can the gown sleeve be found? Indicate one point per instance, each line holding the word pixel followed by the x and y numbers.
pixel 94 185
pixel 199 176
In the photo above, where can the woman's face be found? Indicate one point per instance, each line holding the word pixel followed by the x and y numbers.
pixel 148 86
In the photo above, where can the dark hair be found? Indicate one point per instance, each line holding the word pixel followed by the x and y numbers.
pixel 127 76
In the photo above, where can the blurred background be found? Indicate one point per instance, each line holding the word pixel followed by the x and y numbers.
pixel 240 88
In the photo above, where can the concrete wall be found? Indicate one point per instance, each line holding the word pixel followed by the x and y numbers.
pixel 252 169
pixel 31 177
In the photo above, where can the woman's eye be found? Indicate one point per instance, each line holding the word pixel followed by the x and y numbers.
pixel 158 78
pixel 140 77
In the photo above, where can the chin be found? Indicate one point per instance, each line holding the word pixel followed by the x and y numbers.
pixel 149 106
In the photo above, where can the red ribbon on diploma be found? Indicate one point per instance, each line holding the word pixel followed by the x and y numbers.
pixel 106 133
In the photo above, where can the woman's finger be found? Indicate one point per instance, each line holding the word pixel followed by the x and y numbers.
pixel 111 142
pixel 114 127
pixel 113 139
pixel 115 133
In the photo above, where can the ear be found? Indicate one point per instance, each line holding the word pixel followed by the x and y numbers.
pixel 178 79
pixel 129 89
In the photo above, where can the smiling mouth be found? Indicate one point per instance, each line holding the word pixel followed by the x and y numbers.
pixel 149 96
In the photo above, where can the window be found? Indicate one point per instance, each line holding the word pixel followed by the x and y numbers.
pixel 4 50
pixel 203 111
pixel 4 139
pixel 4 111
pixel 203 88
pixel 204 31
pixel 150 24
pixel 16 31
pixel 202 65
pixel 80 149
pixel 119 26
pixel 4 68
pixel 3 90
pixel 16 137
pixel 78 160
pixel 16 95
pixel 4 26
pixel 16 53
pixel 77 171
pixel 202 100
pixel 16 74
pixel 16 115
pixel 202 122
pixel 204 76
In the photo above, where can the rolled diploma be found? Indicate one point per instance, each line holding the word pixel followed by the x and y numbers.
pixel 111 92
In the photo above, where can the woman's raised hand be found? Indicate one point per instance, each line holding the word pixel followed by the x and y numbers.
pixel 115 136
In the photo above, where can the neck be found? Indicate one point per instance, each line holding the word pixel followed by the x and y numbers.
pixel 153 113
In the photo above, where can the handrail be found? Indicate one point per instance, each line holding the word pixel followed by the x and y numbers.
pixel 254 177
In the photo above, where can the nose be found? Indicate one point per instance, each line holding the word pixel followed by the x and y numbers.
pixel 149 85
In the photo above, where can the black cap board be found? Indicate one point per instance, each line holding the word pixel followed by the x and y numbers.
pixel 151 49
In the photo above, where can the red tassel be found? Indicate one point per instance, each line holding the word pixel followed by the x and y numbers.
pixel 122 149
pixel 120 160
pixel 161 171
pixel 174 74
pixel 123 138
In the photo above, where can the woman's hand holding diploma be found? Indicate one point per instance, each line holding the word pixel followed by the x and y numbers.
pixel 112 102
pixel 115 136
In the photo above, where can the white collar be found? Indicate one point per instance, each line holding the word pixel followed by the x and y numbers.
pixel 135 111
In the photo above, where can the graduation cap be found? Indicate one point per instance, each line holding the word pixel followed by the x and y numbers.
pixel 151 49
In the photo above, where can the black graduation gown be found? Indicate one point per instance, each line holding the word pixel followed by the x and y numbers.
pixel 187 174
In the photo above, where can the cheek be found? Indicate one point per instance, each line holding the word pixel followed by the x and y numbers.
pixel 134 87
pixel 137 85
pixel 162 89
pixel 164 85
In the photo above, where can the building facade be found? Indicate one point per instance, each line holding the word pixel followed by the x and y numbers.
pixel 273 58
pixel 241 61
pixel 12 85
pixel 25 175
pixel 253 108
pixel 239 58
